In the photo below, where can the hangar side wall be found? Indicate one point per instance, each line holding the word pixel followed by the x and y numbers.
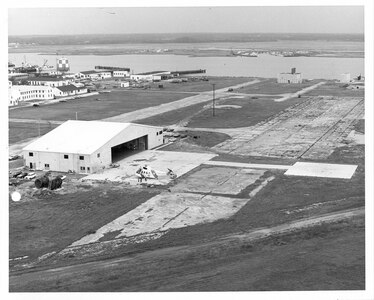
pixel 56 161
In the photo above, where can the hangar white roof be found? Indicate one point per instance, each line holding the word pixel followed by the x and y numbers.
pixel 81 137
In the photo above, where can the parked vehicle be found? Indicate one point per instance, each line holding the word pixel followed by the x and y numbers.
pixel 30 176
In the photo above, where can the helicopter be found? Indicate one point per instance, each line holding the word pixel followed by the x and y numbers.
pixel 147 172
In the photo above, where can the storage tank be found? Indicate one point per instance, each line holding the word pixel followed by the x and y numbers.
pixel 41 182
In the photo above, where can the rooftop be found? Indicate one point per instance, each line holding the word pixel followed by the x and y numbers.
pixel 151 73
pixel 46 78
pixel 89 72
pixel 81 137
pixel 68 88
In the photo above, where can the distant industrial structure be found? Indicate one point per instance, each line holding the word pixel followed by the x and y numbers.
pixel 88 146
pixel 292 77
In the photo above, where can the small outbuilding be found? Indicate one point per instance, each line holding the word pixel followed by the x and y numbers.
pixel 88 146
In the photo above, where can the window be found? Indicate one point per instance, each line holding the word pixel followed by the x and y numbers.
pixel 81 157
pixel 66 156
pixel 31 154
pixel 98 155
pixel 83 169
pixel 160 132
pixel 157 133
pixel 46 166
pixel 88 169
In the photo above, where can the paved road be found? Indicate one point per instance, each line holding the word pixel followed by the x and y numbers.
pixel 185 102
pixel 79 277
pixel 33 121
pixel 301 92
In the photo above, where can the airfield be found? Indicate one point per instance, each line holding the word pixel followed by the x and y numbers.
pixel 270 191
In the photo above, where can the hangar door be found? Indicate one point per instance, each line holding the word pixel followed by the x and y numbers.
pixel 128 148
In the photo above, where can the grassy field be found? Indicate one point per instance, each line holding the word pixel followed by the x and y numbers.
pixel 111 104
pixel 52 222
pixel 332 88
pixel 324 257
pixel 201 86
pixel 270 86
pixel 172 117
pixel 22 131
pixel 200 138
pixel 252 111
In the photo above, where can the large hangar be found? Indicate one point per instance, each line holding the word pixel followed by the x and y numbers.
pixel 87 146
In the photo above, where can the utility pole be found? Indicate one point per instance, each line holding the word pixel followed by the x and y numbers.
pixel 214 99
pixel 76 115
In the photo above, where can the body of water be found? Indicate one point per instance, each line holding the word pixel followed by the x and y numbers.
pixel 267 66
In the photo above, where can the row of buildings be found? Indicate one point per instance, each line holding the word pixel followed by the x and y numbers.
pixel 27 83
pixel 46 89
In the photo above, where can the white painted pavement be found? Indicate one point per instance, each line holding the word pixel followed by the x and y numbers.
pixel 299 168
pixel 247 165
pixel 322 170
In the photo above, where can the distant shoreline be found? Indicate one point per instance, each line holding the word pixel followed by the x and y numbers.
pixel 185 52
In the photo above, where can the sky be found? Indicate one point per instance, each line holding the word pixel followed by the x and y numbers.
pixel 246 19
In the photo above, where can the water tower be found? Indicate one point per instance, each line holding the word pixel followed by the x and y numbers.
pixel 62 65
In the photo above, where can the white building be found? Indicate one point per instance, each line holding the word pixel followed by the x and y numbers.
pixel 70 90
pixel 150 76
pixel 88 146
pixel 14 96
pixel 121 73
pixel 345 77
pixel 94 75
pixel 125 84
pixel 33 92
pixel 292 77
pixel 105 74
pixel 49 81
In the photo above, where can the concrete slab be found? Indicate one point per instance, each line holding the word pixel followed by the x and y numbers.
pixel 179 162
pixel 245 165
pixel 321 170
pixel 356 137
pixel 311 129
pixel 166 211
pixel 220 180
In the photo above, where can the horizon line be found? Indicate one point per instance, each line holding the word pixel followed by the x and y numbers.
pixel 63 34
